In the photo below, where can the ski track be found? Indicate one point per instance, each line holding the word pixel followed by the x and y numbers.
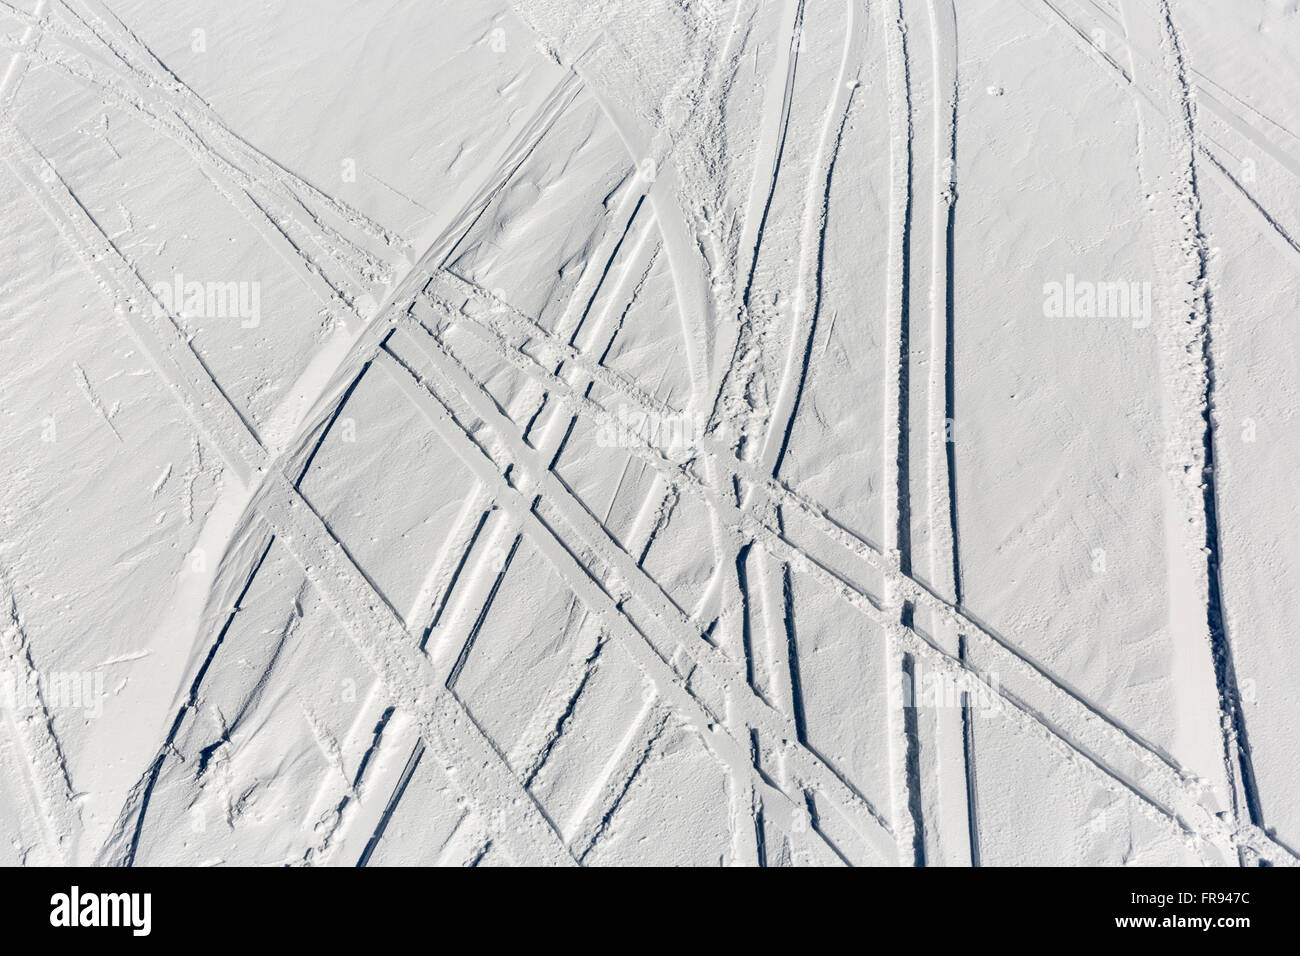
pixel 30 729
pixel 1236 748
pixel 896 502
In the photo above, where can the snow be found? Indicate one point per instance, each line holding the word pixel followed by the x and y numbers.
pixel 682 432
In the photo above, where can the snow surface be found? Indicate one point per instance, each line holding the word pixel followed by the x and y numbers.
pixel 741 432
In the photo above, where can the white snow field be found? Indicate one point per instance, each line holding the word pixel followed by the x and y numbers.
pixel 661 432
